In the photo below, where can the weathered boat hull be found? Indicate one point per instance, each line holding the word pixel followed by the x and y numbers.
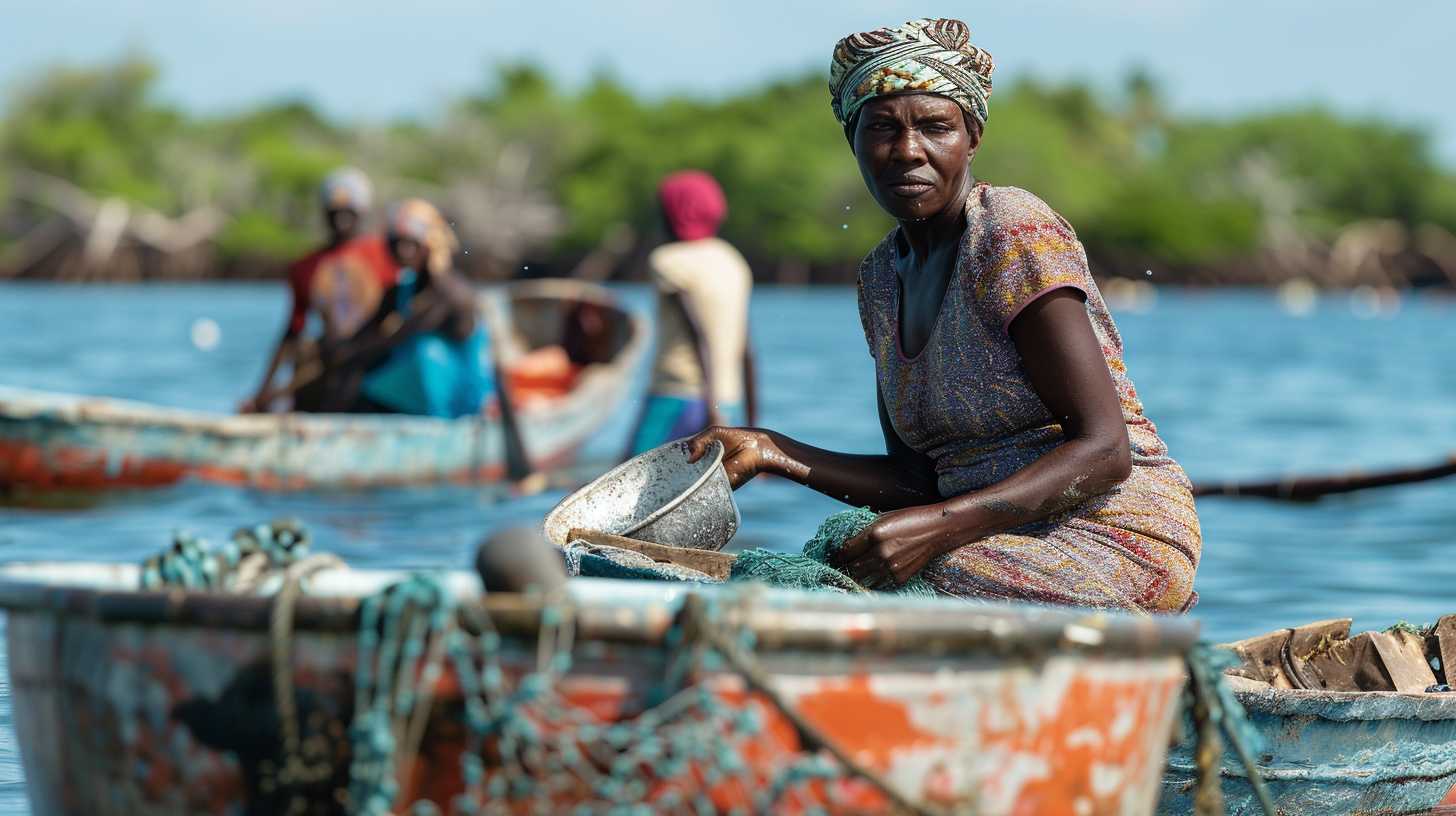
pixel 1334 752
pixel 56 442
pixel 146 703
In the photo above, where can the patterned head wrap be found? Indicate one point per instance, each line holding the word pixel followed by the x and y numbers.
pixel 921 56
pixel 418 220
pixel 693 203
pixel 346 189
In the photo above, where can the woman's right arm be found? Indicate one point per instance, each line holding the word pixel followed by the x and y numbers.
pixel 899 478
pixel 388 328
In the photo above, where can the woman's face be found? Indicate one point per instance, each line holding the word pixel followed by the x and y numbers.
pixel 407 252
pixel 914 151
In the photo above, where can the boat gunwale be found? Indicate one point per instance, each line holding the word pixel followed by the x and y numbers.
pixel 1342 706
pixel 780 620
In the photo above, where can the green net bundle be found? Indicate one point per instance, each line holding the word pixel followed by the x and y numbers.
pixel 807 570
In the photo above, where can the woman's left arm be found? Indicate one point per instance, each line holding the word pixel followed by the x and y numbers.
pixel 1064 361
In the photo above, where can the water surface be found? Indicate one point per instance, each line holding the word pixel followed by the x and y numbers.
pixel 1237 387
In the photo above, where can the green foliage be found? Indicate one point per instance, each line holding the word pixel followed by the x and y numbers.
pixel 1133 178
pixel 258 233
pixel 95 127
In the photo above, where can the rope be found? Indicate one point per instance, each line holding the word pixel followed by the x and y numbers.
pixel 243 564
pixel 1215 707
pixel 699 627
pixel 402 632
pixel 295 771
pixel 239 564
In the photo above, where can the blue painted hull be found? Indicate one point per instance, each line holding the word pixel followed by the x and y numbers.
pixel 1333 753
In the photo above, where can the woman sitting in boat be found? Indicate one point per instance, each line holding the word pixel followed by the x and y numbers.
pixel 1019 463
pixel 424 351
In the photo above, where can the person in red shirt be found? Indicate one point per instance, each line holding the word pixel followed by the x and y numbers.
pixel 342 282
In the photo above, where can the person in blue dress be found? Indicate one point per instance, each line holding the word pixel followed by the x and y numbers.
pixel 425 350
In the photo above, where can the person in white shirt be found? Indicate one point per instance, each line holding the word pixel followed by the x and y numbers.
pixel 703 372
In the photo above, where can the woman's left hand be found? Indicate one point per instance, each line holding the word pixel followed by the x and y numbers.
pixel 893 548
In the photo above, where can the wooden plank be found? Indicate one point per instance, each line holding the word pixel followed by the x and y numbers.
pixel 1350 665
pixel 1310 640
pixel 1261 656
pixel 713 564
pixel 1403 656
pixel 1274 657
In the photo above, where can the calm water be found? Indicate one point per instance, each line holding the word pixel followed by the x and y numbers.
pixel 1237 387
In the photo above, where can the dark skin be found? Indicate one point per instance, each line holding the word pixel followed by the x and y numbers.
pixel 442 302
pixel 343 226
pixel 914 151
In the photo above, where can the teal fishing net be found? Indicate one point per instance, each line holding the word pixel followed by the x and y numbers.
pixel 596 562
pixel 529 748
pixel 811 569
pixel 808 570
pixel 193 563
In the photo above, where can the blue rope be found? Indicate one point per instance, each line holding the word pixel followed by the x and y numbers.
pixel 396 626
pixel 1206 665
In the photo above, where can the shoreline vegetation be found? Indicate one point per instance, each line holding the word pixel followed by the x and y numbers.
pixel 102 181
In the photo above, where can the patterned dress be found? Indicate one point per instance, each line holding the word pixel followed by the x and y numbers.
pixel 966 402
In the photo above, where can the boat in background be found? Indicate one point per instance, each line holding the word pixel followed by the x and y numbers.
pixel 62 443
pixel 162 702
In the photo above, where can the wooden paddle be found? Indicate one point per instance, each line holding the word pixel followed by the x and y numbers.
pixel 518 461
pixel 308 373
pixel 1310 488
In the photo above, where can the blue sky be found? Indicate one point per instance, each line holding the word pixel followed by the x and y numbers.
pixel 367 60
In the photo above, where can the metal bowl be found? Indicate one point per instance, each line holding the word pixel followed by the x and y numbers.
pixel 657 496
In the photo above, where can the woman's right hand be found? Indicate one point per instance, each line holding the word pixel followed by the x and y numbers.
pixel 747 452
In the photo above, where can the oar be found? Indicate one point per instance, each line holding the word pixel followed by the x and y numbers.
pixel 302 376
pixel 1310 488
pixel 518 461
pixel 308 373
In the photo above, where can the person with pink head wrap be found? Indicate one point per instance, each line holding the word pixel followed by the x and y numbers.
pixel 703 372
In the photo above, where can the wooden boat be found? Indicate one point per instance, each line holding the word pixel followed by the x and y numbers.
pixel 1347 723
pixel 139 703
pixel 58 442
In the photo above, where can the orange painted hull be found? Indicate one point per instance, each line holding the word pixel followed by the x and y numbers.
pixel 124 710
